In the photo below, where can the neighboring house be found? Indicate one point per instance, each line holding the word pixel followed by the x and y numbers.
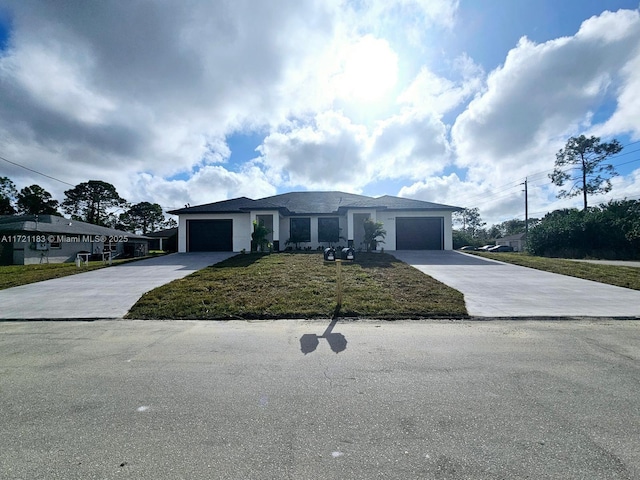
pixel 30 239
pixel 166 240
pixel 312 219
pixel 517 241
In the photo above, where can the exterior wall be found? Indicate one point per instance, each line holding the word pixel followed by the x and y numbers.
pixel 516 244
pixel 242 228
pixel 29 254
pixel 388 218
pixel 285 232
pixel 285 229
pixel 66 253
pixel 352 228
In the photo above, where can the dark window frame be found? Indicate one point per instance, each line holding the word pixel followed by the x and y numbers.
pixel 329 233
pixel 300 233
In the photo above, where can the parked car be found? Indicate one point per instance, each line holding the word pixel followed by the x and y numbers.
pixel 469 247
pixel 501 248
pixel 485 248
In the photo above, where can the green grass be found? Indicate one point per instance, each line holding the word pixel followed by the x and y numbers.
pixel 301 285
pixel 619 276
pixel 16 275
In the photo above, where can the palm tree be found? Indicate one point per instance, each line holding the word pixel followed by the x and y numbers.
pixel 373 231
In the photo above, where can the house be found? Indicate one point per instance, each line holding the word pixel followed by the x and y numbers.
pixel 314 219
pixel 517 241
pixel 166 240
pixel 32 239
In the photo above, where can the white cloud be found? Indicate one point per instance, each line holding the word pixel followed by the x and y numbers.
pixel 139 92
pixel 625 118
pixel 328 153
pixel 438 95
pixel 153 86
pixel 544 93
pixel 409 145
pixel 333 152
pixel 211 183
pixel 411 17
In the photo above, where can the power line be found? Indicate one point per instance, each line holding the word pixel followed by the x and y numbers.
pixel 630 161
pixel 545 172
pixel 35 171
pixel 623 154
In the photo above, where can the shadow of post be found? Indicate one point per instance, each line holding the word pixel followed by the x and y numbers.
pixel 337 342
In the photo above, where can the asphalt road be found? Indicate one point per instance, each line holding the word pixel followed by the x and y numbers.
pixel 236 400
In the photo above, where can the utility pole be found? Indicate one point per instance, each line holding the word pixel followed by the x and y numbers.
pixel 526 214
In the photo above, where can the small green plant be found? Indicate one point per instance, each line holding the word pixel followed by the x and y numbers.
pixel 259 236
pixel 372 232
pixel 295 240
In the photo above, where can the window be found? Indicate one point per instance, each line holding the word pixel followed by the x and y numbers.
pixel 300 230
pixel 329 229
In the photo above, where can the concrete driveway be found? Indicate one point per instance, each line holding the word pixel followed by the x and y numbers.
pixel 105 293
pixel 497 289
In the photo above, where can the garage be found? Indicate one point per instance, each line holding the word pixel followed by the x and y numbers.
pixel 210 235
pixel 419 233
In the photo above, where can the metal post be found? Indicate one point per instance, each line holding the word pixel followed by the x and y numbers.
pixel 339 282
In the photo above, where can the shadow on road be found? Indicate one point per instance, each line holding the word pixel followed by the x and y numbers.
pixel 309 341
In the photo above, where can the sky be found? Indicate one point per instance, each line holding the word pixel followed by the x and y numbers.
pixel 191 102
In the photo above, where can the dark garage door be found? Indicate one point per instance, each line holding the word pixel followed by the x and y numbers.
pixel 419 233
pixel 210 235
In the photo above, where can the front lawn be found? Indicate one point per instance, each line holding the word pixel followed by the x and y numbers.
pixel 301 285
pixel 619 276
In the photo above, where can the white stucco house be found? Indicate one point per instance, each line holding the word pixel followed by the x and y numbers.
pixel 312 219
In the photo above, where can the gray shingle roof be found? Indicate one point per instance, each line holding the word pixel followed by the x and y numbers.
pixel 234 205
pixel 296 203
pixel 517 236
pixel 315 202
pixel 57 225
pixel 398 203
pixel 163 233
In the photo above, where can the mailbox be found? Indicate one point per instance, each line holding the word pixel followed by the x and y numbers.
pixel 348 254
pixel 330 254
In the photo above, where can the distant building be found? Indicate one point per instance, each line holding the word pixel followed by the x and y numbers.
pixel 33 239
pixel 166 240
pixel 517 241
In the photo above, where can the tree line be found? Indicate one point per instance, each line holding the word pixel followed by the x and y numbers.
pixel 472 229
pixel 610 230
pixel 92 202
